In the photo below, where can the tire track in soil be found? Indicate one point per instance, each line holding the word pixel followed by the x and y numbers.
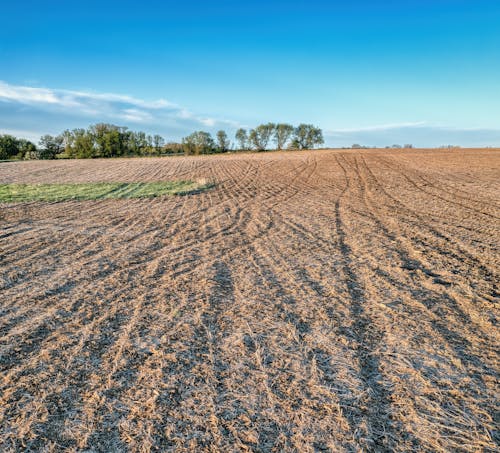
pixel 439 188
pixel 369 367
pixel 405 249
pixel 43 390
pixel 381 431
pixel 278 384
pixel 446 246
pixel 198 357
pixel 76 252
pixel 464 345
pixel 299 307
pixel 220 298
pixel 429 298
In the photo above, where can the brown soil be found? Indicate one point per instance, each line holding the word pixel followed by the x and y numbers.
pixel 313 301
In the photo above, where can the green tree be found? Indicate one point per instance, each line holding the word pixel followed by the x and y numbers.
pixel 50 147
pixel 9 147
pixel 132 144
pixel 114 143
pixel 306 136
pixel 188 145
pixel 174 147
pixel 68 140
pixel 83 145
pixel 198 142
pixel 242 138
pixel 222 141
pixel 149 145
pixel 282 133
pixel 98 133
pixel 76 144
pixel 16 148
pixel 260 136
pixel 158 143
pixel 109 140
pixel 27 149
pixel 140 143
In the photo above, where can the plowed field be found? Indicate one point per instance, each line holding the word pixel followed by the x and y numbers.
pixel 311 301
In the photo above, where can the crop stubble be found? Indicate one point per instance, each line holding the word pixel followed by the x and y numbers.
pixel 312 301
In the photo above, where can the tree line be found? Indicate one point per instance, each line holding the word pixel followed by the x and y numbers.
pixel 17 148
pixel 108 140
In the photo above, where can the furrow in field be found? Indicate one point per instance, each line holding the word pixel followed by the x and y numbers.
pixel 483 204
pixel 380 431
pixel 442 318
pixel 437 244
pixel 291 365
pixel 411 260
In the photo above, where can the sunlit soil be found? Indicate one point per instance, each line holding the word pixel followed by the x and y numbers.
pixel 310 301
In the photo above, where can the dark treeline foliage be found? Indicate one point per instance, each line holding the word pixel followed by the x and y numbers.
pixel 108 140
pixel 16 148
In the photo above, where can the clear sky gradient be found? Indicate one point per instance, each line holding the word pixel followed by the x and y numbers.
pixel 374 72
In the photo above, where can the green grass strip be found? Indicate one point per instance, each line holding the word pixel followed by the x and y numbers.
pixel 97 191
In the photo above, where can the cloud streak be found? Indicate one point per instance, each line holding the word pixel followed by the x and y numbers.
pixel 106 106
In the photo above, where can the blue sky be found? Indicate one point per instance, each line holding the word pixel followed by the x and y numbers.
pixel 372 72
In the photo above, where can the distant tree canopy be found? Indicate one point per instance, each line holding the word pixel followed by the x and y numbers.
pixel 16 148
pixel 260 136
pixel 242 138
pixel 198 142
pixel 358 146
pixel 306 136
pixel 109 140
pixel 282 133
pixel 50 147
pixel 223 142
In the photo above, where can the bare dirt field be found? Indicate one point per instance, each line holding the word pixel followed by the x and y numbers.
pixel 312 301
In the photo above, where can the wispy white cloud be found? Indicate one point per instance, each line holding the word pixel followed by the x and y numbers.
pixel 31 95
pixel 111 97
pixel 71 98
pixel 136 115
pixel 106 106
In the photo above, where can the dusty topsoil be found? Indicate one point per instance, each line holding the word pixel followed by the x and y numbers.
pixel 313 301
